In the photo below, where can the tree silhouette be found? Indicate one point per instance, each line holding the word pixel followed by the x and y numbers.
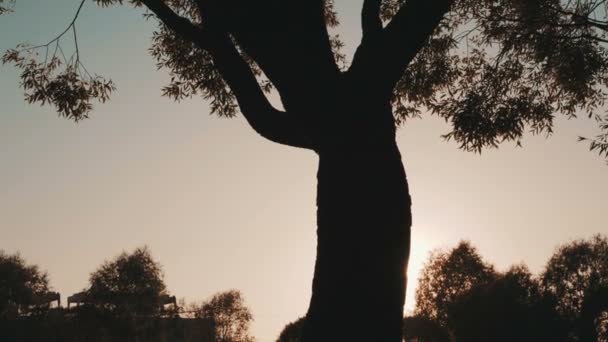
pixel 493 69
pixel 24 300
pixel 460 298
pixel 129 285
pixel 577 274
pixel 20 283
pixel 511 307
pixel 230 316
pixel 447 276
pixel 293 331
pixel 124 296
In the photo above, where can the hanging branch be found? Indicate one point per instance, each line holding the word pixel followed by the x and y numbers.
pixel 5 9
pixel 71 89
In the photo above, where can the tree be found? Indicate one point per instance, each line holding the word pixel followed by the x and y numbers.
pixel 230 316
pixel 493 69
pixel 20 283
pixel 446 277
pixel 124 296
pixel 129 285
pixel 293 331
pixel 511 307
pixel 577 274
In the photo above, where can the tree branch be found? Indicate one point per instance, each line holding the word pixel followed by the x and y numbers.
pixel 409 30
pixel 370 19
pixel 277 126
pixel 379 64
pixel 181 25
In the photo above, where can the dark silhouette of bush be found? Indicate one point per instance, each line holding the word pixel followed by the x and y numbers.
pixel 293 331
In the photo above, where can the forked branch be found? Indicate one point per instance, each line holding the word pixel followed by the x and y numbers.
pixel 275 125
pixel 370 19
pixel 408 31
pixel 380 62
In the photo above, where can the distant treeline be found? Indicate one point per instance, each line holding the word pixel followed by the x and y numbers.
pixel 126 300
pixel 462 298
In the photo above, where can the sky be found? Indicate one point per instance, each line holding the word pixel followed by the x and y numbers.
pixel 220 207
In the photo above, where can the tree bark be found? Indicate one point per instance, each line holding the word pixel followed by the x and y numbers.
pixel 363 233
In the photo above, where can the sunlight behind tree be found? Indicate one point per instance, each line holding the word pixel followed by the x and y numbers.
pixel 493 70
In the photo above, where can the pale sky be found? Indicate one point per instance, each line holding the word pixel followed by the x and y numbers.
pixel 222 208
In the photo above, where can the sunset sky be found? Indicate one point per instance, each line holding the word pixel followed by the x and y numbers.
pixel 222 208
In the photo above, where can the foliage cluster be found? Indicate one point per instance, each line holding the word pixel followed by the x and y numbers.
pixel 129 285
pixel 493 69
pixel 462 298
pixel 229 314
pixel 19 285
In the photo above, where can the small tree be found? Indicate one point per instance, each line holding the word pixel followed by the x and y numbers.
pixel 230 315
pixel 448 275
pixel 20 283
pixel 123 300
pixel 576 269
pixel 577 275
pixel 129 285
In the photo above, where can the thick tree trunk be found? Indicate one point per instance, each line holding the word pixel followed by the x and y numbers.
pixel 363 233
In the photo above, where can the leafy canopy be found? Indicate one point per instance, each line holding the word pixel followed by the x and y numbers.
pixel 575 272
pixel 493 69
pixel 229 314
pixel 446 276
pixel 20 283
pixel 462 297
pixel 129 285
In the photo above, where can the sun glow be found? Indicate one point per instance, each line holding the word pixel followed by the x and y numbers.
pixel 418 255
